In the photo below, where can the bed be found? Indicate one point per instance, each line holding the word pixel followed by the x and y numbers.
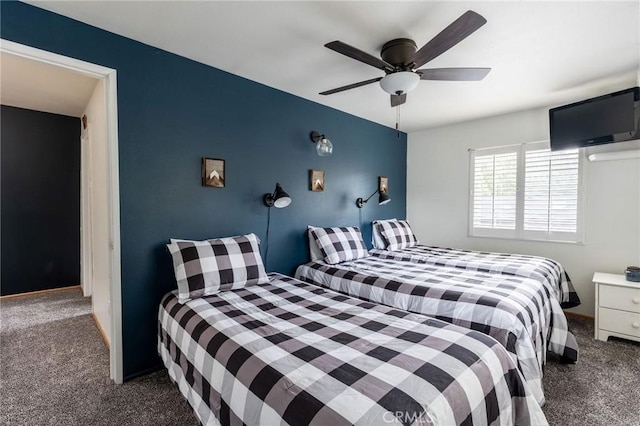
pixel 247 348
pixel 521 312
pixel 293 353
pixel 546 271
pixel 394 239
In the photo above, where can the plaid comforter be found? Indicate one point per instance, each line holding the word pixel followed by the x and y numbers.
pixel 291 353
pixel 547 271
pixel 521 313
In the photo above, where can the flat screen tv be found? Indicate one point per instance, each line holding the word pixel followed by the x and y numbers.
pixel 605 119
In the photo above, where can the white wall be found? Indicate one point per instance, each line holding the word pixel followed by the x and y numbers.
pixel 438 198
pixel 96 150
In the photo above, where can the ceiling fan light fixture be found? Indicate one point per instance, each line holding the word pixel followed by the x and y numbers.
pixel 400 82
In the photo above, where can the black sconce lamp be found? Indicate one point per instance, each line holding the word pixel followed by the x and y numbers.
pixel 279 199
pixel 382 199
pixel 324 147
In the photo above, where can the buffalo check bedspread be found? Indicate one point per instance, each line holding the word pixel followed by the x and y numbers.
pixel 521 313
pixel 292 353
pixel 547 271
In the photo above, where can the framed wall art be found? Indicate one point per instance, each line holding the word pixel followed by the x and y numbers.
pixel 383 184
pixel 213 172
pixel 316 180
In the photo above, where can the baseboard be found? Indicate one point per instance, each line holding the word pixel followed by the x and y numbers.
pixel 577 315
pixel 158 367
pixel 102 333
pixel 34 293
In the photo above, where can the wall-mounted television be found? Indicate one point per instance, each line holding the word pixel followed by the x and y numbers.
pixel 610 118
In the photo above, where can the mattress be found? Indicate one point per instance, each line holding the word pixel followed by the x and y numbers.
pixel 292 353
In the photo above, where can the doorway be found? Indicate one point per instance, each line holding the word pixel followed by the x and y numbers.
pixel 99 191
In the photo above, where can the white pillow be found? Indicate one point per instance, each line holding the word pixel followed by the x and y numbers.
pixel 314 251
pixel 376 237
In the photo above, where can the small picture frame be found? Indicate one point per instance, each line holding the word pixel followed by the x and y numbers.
pixel 383 184
pixel 213 172
pixel 316 180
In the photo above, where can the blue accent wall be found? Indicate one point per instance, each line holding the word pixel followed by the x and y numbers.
pixel 171 112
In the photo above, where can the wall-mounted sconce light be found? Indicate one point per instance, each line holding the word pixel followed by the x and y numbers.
pixel 324 147
pixel 382 199
pixel 279 199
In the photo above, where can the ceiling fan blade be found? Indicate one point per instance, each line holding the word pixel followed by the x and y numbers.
pixel 457 31
pixel 398 99
pixel 359 55
pixel 454 74
pixel 350 86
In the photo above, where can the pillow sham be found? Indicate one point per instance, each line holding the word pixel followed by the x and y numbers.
pixel 397 235
pixel 177 240
pixel 207 267
pixel 314 251
pixel 376 237
pixel 340 244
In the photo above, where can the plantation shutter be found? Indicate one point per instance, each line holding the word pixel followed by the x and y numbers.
pixel 525 191
pixel 551 194
pixel 494 192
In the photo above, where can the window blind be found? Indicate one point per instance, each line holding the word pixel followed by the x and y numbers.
pixel 551 191
pixel 525 191
pixel 494 202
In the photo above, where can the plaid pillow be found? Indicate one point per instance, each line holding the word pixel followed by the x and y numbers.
pixel 340 244
pixel 376 237
pixel 397 234
pixel 208 267
pixel 314 251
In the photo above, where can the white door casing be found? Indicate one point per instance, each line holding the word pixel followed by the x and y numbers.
pixel 108 77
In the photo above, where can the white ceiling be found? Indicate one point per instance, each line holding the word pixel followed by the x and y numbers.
pixel 39 86
pixel 541 53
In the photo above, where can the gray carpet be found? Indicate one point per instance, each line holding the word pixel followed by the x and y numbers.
pixel 54 370
pixel 602 388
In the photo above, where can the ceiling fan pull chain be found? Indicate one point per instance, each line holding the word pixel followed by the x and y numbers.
pixel 398 121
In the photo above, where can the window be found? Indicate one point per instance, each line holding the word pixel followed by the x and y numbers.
pixel 526 192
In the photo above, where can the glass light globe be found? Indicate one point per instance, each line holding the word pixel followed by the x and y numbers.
pixel 401 82
pixel 324 147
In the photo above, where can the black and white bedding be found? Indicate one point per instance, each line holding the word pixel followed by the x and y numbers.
pixel 547 271
pixel 291 353
pixel 523 314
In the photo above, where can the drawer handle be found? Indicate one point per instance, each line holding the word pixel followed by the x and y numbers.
pixel 635 325
pixel 636 300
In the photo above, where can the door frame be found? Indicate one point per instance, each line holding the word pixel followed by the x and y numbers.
pixel 108 75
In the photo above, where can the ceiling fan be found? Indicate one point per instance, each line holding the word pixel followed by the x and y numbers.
pixel 401 60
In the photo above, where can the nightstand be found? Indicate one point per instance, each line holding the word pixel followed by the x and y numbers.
pixel 617 307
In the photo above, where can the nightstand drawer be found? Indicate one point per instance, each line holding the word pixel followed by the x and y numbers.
pixel 623 298
pixel 619 321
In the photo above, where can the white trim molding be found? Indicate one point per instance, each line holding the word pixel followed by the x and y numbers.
pixel 108 75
